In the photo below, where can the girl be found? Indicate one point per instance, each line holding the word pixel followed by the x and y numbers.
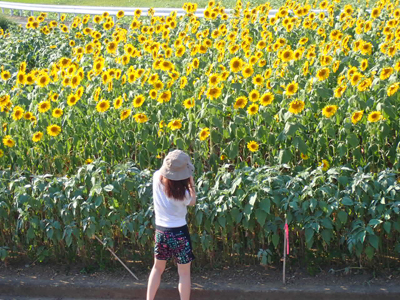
pixel 173 191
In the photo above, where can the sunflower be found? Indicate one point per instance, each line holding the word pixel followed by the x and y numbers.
pixel 397 66
pixel 183 82
pixel 166 65
pixel 375 13
pixel 324 164
pixel 214 79
pixel 254 95
pixel 43 80
pixel 240 102
pixel 28 115
pixel 1 153
pixel 195 63
pixel 304 156
pixel 21 78
pixel 292 88
pixel 108 25
pixel 393 88
pixel 22 67
pixel 125 113
pixel 364 85
pixel 54 97
pixel 118 102
pixel 138 12
pixel 188 103
pixel 72 100
pixel 103 106
pixel 339 91
pixel 258 80
pixel 71 69
pixel 98 66
pixel 53 130
pixel 303 40
pixel 112 47
pixel 44 106
pixel 153 94
pixel 287 55
pixel 236 64
pixel 252 109
pixel 357 116
pixel 37 136
pixel 329 110
pixel 57 112
pixel 18 113
pixel 175 124
pixel 4 100
pixel 252 146
pixel 105 77
pixel 158 85
pixel 120 14
pixel 141 118
pixel 164 97
pixel 364 65
pixel 296 106
pixel 374 116
pixel 355 78
pixel 213 93
pixel 138 101
pixel 385 73
pixel 66 81
pixel 323 74
pixel 180 51
pixel 266 99
pixel 204 133
pixel 8 141
pixel 247 71
pixel 335 66
pixel 75 81
pixel 5 75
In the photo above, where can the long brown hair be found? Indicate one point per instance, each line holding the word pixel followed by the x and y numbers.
pixel 175 189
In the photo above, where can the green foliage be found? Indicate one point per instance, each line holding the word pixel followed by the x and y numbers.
pixel 5 23
pixel 239 216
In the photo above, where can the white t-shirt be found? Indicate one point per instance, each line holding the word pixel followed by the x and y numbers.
pixel 169 212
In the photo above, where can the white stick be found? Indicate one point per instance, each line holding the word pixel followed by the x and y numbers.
pixel 112 252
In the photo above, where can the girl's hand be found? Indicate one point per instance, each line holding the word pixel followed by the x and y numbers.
pixel 191 181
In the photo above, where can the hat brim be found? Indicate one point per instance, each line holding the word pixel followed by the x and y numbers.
pixel 181 175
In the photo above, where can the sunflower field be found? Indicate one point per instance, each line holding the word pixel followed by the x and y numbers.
pixel 301 88
pixel 289 113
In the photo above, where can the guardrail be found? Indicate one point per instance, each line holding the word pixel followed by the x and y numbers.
pixel 112 10
pixel 91 10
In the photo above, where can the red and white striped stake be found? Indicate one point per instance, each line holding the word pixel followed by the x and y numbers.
pixel 285 249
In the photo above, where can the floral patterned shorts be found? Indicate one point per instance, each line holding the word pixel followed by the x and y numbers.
pixel 173 242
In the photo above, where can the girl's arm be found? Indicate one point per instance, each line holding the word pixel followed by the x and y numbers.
pixel 192 192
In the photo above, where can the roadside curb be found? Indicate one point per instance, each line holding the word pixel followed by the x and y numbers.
pixel 28 287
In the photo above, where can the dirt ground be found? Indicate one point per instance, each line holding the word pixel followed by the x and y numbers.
pixel 239 276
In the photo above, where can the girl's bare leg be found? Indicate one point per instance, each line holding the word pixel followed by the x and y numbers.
pixel 184 281
pixel 155 278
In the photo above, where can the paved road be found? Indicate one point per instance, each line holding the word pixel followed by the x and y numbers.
pixel 60 298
